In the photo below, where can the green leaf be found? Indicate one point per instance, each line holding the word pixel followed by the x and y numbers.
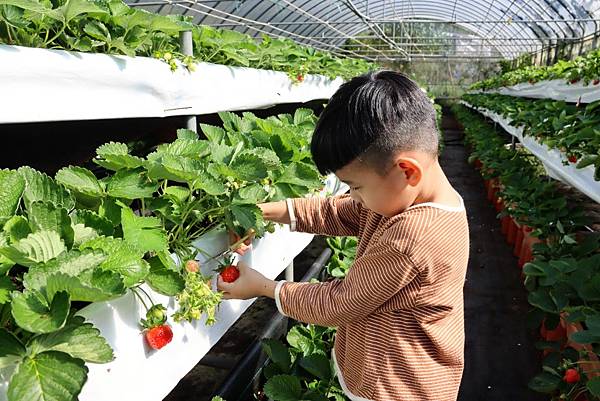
pixel 50 375
pixel 299 338
pixel 11 348
pixel 44 216
pixel 17 228
pixel 83 234
pixel 82 183
pixel 164 280
pixel 251 194
pixel 175 168
pixel 72 263
pixel 544 383
pixel 11 190
pixel 247 216
pixel 131 184
pixel 192 148
pixel 283 388
pixel 144 233
pixel 254 164
pixel 115 156
pixel 36 248
pixel 72 8
pixel 40 187
pixel 587 161
pixel 88 218
pixel 91 286
pixel 214 134
pixel 183 133
pixel 304 117
pixel 300 174
pixel 178 194
pixel 317 365
pixel 6 287
pixel 29 5
pixel 123 258
pixel 278 353
pixel 109 209
pixel 33 313
pixel 593 386
pixel 78 339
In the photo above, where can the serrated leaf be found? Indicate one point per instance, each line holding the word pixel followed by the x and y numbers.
pixel 300 174
pixel 6 287
pixel 40 187
pixel 72 263
pixel 162 279
pixel 88 218
pixel 82 183
pixel 17 228
pixel 183 133
pixel 587 161
pixel 78 339
pixel 50 375
pixel 131 184
pixel 83 234
pixel 11 190
pixel 283 388
pixel 44 216
pixel 317 365
pixel 11 348
pixel 123 258
pixel 175 168
pixel 254 165
pixel 179 194
pixel 109 209
pixel 191 148
pixel 304 117
pixel 247 216
pixel 544 382
pixel 72 8
pixel 278 353
pixel 36 248
pixel 593 385
pixel 115 156
pixel 33 313
pixel 90 286
pixel 251 194
pixel 212 133
pixel 144 233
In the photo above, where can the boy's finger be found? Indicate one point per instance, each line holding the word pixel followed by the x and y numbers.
pixel 222 285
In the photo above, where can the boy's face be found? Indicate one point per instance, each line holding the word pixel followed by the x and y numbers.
pixel 387 193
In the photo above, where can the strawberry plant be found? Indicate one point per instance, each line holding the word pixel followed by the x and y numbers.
pixel 343 253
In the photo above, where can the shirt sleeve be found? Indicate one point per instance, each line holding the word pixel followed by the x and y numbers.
pixel 336 215
pixel 372 280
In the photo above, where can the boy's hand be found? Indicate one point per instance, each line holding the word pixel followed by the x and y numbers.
pixel 250 284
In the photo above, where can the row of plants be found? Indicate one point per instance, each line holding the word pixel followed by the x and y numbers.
pixel 112 27
pixel 562 266
pixel 574 129
pixel 584 68
pixel 303 369
pixel 76 238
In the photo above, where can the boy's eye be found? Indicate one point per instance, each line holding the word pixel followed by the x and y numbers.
pixel 355 188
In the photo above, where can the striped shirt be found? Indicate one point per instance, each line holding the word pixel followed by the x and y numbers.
pixel 399 311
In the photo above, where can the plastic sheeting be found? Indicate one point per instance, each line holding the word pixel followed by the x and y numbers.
pixel 557 89
pixel 552 159
pixel 140 373
pixel 55 85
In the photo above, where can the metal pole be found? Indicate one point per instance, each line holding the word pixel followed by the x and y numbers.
pixel 187 48
pixel 289 272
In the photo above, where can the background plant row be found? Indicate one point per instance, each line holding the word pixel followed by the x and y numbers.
pixel 563 279
pixel 572 129
pixel 584 68
pixel 112 27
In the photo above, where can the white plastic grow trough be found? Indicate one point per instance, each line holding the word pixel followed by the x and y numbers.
pixel 140 373
pixel 57 85
pixel 557 89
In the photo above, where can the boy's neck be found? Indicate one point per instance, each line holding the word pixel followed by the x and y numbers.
pixel 437 189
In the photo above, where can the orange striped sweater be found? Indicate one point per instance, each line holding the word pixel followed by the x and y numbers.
pixel 399 311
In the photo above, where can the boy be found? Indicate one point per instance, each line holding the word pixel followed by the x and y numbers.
pixel 399 311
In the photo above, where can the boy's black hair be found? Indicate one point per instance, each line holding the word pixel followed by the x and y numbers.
pixel 372 116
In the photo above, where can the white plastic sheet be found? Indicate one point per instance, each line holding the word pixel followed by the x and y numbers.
pixel 552 159
pixel 557 89
pixel 55 85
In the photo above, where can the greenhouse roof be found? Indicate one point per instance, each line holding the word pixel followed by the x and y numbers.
pixel 401 30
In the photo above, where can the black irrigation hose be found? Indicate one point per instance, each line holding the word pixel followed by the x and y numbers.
pixel 249 367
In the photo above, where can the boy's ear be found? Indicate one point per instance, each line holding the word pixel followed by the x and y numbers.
pixel 413 171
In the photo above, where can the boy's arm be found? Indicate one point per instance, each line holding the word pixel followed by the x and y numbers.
pixel 337 215
pixel 373 279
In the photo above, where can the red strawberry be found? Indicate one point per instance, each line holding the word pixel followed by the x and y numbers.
pixel 300 77
pixel 230 273
pixel 596 82
pixel 571 376
pixel 159 336
pixel 192 266
pixel 574 81
pixel 531 81
pixel 572 158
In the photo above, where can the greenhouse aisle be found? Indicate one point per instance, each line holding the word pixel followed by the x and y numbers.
pixel 499 354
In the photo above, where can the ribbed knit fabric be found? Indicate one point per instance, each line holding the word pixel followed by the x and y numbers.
pixel 399 311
